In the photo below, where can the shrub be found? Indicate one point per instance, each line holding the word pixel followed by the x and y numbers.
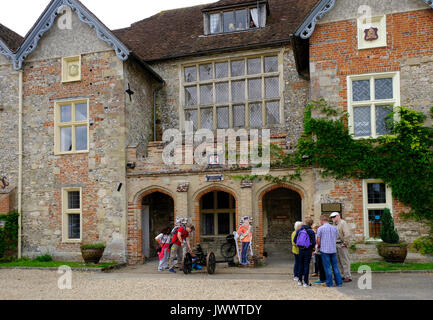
pixel 388 234
pixel 424 245
pixel 93 246
pixel 9 234
pixel 44 258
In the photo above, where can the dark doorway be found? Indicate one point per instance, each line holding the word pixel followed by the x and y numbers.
pixel 281 209
pixel 157 214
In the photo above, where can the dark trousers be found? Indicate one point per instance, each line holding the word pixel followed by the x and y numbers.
pixel 296 268
pixel 245 247
pixel 304 265
pixel 322 273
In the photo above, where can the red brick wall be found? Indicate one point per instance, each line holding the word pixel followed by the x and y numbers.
pixel 4 203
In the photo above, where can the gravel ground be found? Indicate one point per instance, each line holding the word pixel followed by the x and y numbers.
pixel 42 285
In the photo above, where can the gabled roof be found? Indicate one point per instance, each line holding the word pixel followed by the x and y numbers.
pixel 10 38
pixel 177 33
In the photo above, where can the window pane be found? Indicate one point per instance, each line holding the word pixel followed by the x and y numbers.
pixel 223 200
pixel 271 64
pixel 81 138
pixel 74 200
pixel 241 19
pixel 81 112
pixel 376 193
pixel 66 113
pixel 191 115
pixel 206 72
pixel 254 89
pixel 256 115
pixel 208 201
pixel 361 90
pixel 191 74
pixel 254 18
pixel 66 139
pixel 229 21
pixel 255 66
pixel 272 86
pixel 239 116
pixel 222 92
pixel 208 224
pixel 221 70
pixel 191 96
pixel 362 121
pixel 382 113
pixel 238 68
pixel 207 119
pixel 215 20
pixel 375 222
pixel 223 118
pixel 273 113
pixel 206 94
pixel 238 91
pixel 223 223
pixel 383 88
pixel 74 227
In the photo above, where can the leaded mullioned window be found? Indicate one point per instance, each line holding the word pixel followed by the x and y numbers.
pixel 233 93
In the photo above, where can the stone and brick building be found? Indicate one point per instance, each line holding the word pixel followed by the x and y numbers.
pixel 96 102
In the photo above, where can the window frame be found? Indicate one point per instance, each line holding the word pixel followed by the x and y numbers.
pixel 372 103
pixel 246 77
pixel 262 10
pixel 66 212
pixel 58 125
pixel 374 206
pixel 65 62
pixel 231 211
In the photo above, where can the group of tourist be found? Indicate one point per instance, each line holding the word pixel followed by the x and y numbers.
pixel 328 245
pixel 172 245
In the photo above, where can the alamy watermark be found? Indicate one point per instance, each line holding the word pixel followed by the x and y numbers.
pixel 65 280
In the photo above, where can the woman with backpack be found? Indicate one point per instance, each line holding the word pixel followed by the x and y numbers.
pixel 295 251
pixel 305 239
pixel 163 251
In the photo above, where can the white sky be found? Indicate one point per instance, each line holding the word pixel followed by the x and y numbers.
pixel 20 15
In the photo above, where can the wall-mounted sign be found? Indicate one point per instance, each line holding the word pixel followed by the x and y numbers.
pixel 215 178
pixel 371 34
pixel 4 183
pixel 332 207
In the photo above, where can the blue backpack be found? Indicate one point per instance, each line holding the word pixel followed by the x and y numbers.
pixel 303 239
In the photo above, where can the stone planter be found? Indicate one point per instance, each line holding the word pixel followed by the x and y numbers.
pixel 393 253
pixel 92 256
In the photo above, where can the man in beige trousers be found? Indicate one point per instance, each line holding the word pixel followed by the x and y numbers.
pixel 343 244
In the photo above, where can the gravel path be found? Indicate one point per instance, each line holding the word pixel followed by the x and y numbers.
pixel 42 285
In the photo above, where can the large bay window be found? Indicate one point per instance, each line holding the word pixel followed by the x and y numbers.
pixel 233 93
pixel 371 99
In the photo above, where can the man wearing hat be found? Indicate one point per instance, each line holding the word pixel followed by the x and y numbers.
pixel 343 244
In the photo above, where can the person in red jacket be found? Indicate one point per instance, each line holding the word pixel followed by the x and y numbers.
pixel 245 233
pixel 178 243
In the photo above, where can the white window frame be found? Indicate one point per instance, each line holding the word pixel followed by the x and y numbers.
pixel 374 206
pixel 66 212
pixel 230 104
pixel 372 103
pixel 58 125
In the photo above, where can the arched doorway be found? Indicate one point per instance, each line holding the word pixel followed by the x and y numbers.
pixel 282 207
pixel 157 214
pixel 217 219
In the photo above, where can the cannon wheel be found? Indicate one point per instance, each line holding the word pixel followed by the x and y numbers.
pixel 228 250
pixel 211 263
pixel 187 263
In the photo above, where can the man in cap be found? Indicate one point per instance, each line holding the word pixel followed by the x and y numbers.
pixel 343 244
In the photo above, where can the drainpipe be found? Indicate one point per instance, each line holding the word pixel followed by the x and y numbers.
pixel 155 92
pixel 20 161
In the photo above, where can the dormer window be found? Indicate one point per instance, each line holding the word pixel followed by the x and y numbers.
pixel 235 20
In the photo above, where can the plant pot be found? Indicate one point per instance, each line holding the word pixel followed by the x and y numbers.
pixel 92 256
pixel 393 253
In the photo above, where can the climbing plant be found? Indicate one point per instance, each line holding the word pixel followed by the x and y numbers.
pixel 9 233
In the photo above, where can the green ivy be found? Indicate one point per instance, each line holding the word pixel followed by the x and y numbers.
pixel 9 234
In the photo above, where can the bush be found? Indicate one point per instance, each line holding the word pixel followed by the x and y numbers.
pixel 424 245
pixel 9 234
pixel 388 234
pixel 93 246
pixel 44 258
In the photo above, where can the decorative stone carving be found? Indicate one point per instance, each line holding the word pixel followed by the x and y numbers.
pixel 183 187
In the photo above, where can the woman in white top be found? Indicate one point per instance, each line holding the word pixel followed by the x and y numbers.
pixel 164 242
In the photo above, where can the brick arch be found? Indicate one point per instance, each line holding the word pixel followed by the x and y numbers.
pixel 262 194
pixel 135 240
pixel 198 197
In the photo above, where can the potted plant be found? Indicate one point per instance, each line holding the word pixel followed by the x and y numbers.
pixel 391 249
pixel 92 253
